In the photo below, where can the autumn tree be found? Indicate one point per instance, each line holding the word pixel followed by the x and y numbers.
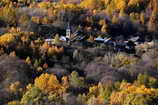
pixel 6 1
pixel 35 19
pixel 28 60
pixel 26 1
pixel 121 4
pixel 76 81
pixel 115 19
pixel 7 39
pixel 90 39
pixel 8 14
pixel 106 2
pixel 47 89
pixel 24 19
pixel 33 95
pixel 57 39
pixel 92 4
pixel 49 83
pixel 13 103
pixel 15 87
pixel 105 27
pixel 135 95
pixel 45 5
pixel 98 94
pixel 12 54
pixel 135 2
pixel 142 18
pixel 145 79
pixel 51 51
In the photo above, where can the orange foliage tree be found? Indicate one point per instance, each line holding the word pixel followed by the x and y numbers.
pixel 7 39
pixel 49 83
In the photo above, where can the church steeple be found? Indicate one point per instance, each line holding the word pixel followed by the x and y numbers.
pixel 68 31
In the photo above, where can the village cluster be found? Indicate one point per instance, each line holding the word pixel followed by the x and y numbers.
pixel 77 39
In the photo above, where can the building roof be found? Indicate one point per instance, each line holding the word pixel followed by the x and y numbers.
pixel 99 39
pixel 106 39
pixel 134 38
pixel 63 38
pixel 48 40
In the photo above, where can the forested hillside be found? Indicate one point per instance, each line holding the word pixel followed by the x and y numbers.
pixel 78 52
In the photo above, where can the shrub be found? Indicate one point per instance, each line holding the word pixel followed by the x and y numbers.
pixel 145 79
pixel 76 81
pixel 31 96
pixel 119 60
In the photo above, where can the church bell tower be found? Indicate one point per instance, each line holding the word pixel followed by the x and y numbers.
pixel 68 31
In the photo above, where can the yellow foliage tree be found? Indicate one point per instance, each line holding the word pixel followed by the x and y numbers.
pixel 59 50
pixel 115 19
pixel 106 2
pixel 13 103
pixel 28 60
pixel 65 81
pixel 44 5
pixel 92 4
pixel 7 39
pixel 56 39
pixel 121 59
pixel 121 5
pixel 24 19
pixel 105 28
pixel 45 20
pixel 8 14
pixel 134 2
pixel 15 87
pixel 6 1
pixel 12 54
pixel 142 18
pixel 45 45
pixel 130 94
pixel 98 94
pixel 91 39
pixel 51 51
pixel 49 84
pixel 35 19
pixel 25 1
